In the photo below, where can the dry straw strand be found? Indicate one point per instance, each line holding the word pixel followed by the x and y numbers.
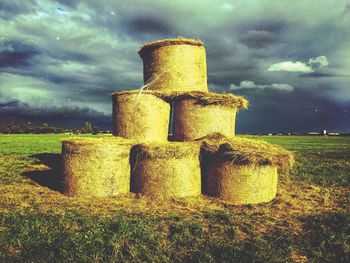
pixel 242 151
pixel 209 98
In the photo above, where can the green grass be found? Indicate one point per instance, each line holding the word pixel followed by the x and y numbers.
pixel 322 160
pixel 309 219
pixel 29 144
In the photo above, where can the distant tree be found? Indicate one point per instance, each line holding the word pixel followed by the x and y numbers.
pixel 60 130
pixel 16 129
pixel 5 130
pixel 37 129
pixel 96 130
pixel 51 130
pixel 27 129
pixel 45 128
pixel 87 128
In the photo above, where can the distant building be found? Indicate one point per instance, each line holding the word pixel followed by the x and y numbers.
pixel 334 133
pixel 313 133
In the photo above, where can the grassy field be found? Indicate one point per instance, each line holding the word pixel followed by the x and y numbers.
pixel 309 221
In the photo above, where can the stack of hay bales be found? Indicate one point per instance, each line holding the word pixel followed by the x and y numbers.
pixel 206 157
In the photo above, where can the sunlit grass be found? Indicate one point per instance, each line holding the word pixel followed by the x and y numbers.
pixel 309 219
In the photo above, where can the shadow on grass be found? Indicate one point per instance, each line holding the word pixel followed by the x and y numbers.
pixel 50 177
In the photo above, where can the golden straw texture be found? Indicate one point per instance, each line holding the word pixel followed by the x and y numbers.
pixel 140 115
pixel 96 167
pixel 174 65
pixel 239 170
pixel 240 184
pixel 241 151
pixel 169 42
pixel 167 170
pixel 193 120
pixel 207 98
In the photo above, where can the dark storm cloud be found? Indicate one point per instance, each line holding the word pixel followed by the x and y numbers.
pixel 5 106
pixel 265 24
pixel 17 112
pixel 235 54
pixel 319 75
pixel 17 54
pixel 72 56
pixel 75 53
pixel 288 110
pixel 231 74
pixel 347 8
pixel 69 3
pixel 62 80
pixel 258 39
pixel 145 25
pixel 10 8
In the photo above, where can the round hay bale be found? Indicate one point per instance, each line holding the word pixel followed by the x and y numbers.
pixel 96 167
pixel 167 170
pixel 241 171
pixel 174 65
pixel 198 114
pixel 140 115
pixel 241 184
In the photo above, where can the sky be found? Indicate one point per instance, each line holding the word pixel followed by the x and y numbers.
pixel 60 60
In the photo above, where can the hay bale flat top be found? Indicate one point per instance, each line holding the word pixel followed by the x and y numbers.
pixel 97 146
pixel 114 140
pixel 241 151
pixel 169 150
pixel 209 98
pixel 157 94
pixel 170 42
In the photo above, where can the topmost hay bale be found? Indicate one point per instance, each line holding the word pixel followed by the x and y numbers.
pixel 174 65
pixel 140 115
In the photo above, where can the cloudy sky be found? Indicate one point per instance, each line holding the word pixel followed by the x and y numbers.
pixel 60 60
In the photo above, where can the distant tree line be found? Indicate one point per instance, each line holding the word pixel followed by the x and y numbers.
pixel 86 128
